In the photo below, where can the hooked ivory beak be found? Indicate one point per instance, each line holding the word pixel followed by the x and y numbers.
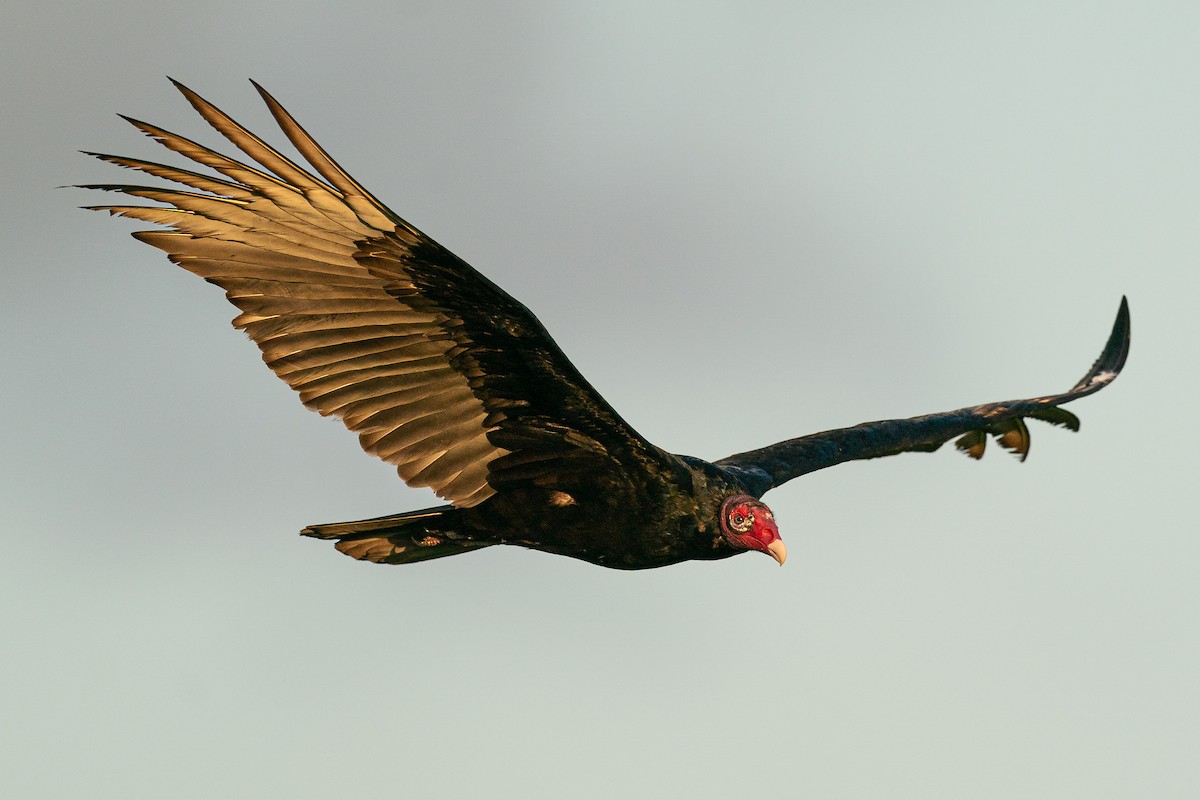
pixel 777 551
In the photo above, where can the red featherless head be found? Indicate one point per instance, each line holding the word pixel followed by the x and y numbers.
pixel 749 524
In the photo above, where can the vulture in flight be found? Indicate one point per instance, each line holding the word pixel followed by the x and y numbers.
pixel 443 374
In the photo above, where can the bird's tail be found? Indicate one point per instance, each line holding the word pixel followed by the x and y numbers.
pixel 398 539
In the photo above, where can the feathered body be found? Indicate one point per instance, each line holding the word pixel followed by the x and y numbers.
pixel 443 374
pixel 621 526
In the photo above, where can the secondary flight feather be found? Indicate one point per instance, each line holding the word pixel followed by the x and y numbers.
pixel 443 374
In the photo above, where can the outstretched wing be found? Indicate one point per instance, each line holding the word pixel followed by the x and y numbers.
pixel 768 467
pixel 437 369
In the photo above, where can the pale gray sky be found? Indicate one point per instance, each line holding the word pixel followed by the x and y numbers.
pixel 872 209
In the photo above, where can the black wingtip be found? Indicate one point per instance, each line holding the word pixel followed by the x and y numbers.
pixel 1117 348
pixel 1112 359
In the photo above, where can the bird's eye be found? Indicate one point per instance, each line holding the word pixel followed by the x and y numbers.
pixel 741 522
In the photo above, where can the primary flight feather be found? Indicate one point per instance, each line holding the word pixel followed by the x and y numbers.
pixel 443 374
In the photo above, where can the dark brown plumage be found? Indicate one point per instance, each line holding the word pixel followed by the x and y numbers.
pixel 443 374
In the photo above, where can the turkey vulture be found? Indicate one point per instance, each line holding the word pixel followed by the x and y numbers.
pixel 443 374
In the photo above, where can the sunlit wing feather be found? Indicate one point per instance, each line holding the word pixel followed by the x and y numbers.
pixel 436 369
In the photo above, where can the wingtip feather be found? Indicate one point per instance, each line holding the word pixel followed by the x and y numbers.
pixel 185 91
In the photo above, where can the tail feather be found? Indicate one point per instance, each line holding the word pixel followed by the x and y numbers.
pixel 399 538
